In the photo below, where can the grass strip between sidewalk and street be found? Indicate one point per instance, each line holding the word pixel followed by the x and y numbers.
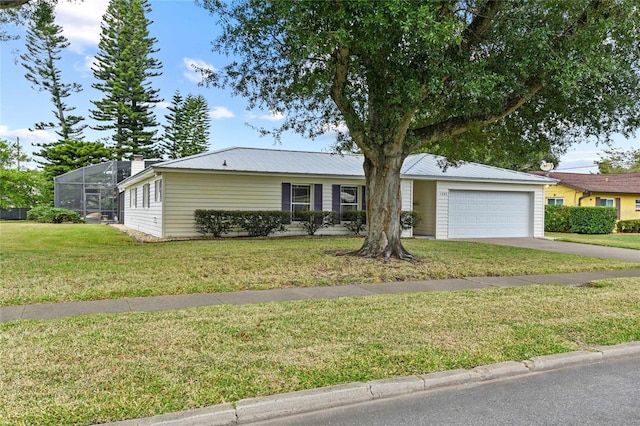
pixel 58 263
pixel 99 368
pixel 627 241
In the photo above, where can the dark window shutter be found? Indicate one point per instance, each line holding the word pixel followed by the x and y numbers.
pixel 598 201
pixel 335 201
pixel 618 207
pixel 286 197
pixel 317 197
pixel 364 198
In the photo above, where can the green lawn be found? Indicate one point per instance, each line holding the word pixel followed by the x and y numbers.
pixel 54 263
pixel 98 368
pixel 629 241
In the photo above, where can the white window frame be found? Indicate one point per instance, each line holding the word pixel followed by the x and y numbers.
pixel 350 204
pixel 157 185
pixel 555 201
pixel 146 195
pixel 133 198
pixel 296 204
pixel 604 202
pixel 637 204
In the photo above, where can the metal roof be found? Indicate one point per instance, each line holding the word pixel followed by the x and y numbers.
pixel 258 160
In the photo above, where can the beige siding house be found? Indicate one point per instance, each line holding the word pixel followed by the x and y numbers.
pixel 470 201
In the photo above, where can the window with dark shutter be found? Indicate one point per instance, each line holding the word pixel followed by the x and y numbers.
pixel 286 197
pixel 317 197
pixel 335 201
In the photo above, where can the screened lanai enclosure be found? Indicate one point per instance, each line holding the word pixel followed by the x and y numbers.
pixel 91 191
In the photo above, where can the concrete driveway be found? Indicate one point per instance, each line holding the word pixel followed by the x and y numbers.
pixel 628 255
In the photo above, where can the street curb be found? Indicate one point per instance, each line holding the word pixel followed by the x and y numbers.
pixel 277 406
pixel 270 407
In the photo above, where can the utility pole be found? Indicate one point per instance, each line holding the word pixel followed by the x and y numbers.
pixel 18 152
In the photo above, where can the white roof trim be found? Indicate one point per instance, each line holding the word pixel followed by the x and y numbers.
pixel 285 162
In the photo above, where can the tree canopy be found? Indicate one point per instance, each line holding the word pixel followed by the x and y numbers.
pixel 405 76
pixel 618 161
pixel 187 129
pixel 19 186
pixel 44 44
pixel 124 66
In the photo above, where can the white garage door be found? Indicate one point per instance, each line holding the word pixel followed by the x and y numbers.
pixel 487 214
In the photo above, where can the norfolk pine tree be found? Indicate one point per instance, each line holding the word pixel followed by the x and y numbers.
pixel 123 68
pixel 44 42
pixel 187 129
pixel 405 76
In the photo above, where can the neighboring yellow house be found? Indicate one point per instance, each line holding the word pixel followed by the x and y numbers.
pixel 621 190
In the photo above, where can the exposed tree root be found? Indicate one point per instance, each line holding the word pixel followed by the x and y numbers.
pixel 385 255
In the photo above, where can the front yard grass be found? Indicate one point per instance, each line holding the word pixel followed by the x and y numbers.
pixel 56 263
pixel 99 368
pixel 628 241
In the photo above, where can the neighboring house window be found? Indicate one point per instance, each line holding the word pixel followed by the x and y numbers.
pixel 637 205
pixel 146 195
pixel 300 200
pixel 606 202
pixel 158 190
pixel 348 199
pixel 555 201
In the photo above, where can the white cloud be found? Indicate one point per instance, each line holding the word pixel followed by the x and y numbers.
pixel 330 128
pixel 86 65
pixel 192 65
pixel 80 22
pixel 272 116
pixel 579 161
pixel 27 136
pixel 163 105
pixel 28 139
pixel 220 112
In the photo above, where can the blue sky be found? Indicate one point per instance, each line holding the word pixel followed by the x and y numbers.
pixel 184 33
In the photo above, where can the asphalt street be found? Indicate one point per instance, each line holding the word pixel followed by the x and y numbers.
pixel 606 393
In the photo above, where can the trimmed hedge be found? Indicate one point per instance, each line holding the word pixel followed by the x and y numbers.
pixel 632 225
pixel 213 222
pixel 593 220
pixel 556 218
pixel 257 223
pixel 580 220
pixel 410 219
pixel 263 223
pixel 313 220
pixel 355 221
pixel 47 214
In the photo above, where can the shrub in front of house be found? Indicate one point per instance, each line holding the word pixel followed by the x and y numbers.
pixel 261 223
pixel 257 223
pixel 213 222
pixel 48 214
pixel 313 220
pixel 626 226
pixel 355 220
pixel 556 218
pixel 410 219
pixel 593 220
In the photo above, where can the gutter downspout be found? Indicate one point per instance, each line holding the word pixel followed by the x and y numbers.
pixel 588 194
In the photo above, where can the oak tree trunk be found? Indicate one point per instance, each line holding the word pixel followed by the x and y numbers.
pixel 384 206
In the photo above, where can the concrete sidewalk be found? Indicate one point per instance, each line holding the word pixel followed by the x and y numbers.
pixel 184 301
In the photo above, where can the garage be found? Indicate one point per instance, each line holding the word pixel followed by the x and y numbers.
pixel 488 214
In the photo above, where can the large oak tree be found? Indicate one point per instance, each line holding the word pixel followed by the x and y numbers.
pixel 407 75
